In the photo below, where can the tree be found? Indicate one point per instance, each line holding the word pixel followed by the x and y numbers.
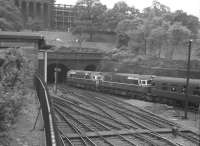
pixel 159 37
pixel 177 34
pixel 122 40
pixel 129 24
pixel 157 9
pixel 133 28
pixel 35 24
pixel 137 42
pixel 160 9
pixel 10 16
pixel 88 17
pixel 121 11
pixel 189 21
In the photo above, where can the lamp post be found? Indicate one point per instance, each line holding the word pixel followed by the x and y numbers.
pixel 188 78
pixel 56 69
pixel 45 66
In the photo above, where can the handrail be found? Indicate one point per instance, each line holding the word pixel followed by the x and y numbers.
pixel 52 136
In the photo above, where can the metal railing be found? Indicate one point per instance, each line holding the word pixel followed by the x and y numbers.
pixel 51 133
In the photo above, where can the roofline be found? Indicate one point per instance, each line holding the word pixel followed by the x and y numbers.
pixel 20 35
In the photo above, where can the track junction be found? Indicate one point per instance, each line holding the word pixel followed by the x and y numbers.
pixel 92 119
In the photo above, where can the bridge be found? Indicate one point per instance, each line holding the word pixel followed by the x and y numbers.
pixel 71 58
pixel 64 58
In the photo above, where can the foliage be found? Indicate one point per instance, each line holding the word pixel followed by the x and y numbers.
pixel 12 87
pixel 122 40
pixel 10 16
pixel 121 11
pixel 88 17
pixel 157 31
pixel 35 24
pixel 189 21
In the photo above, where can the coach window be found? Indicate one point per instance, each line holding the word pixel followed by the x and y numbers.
pixel 164 86
pixel 153 83
pixel 183 90
pixel 196 91
pixel 135 82
pixel 173 89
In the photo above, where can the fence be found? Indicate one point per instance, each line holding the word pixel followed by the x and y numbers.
pixel 51 132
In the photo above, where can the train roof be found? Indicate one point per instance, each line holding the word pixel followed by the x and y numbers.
pixel 175 80
pixel 130 76
pixel 20 35
pixel 81 71
pixel 135 75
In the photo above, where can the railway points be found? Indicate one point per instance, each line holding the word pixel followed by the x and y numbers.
pixel 90 118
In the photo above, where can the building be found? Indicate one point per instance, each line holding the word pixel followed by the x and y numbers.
pixel 41 9
pixel 56 16
pixel 62 17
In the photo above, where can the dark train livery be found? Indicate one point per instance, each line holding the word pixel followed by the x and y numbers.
pixel 145 87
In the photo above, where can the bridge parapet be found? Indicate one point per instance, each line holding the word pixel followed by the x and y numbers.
pixel 75 56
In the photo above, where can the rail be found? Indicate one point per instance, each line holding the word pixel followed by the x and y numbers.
pixel 51 133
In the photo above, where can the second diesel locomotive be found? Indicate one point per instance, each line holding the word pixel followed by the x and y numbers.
pixel 144 87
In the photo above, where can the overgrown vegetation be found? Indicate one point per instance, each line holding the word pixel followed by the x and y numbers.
pixel 35 24
pixel 12 89
pixel 10 16
pixel 156 31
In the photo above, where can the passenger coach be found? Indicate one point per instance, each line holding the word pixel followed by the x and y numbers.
pixel 175 89
pixel 168 90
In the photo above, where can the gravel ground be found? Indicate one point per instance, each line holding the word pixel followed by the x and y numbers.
pixel 171 113
pixel 22 132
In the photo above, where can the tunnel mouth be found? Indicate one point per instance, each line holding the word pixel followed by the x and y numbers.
pixel 1 62
pixel 62 73
pixel 90 67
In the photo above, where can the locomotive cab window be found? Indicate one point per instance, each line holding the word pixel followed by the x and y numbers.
pixel 134 82
pixel 143 82
pixel 196 91
pixel 149 82
pixel 87 77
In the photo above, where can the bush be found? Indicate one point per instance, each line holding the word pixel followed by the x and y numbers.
pixel 11 88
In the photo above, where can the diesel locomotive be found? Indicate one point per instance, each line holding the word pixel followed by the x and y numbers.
pixel 162 89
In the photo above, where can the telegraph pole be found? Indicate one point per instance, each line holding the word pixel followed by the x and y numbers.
pixel 188 78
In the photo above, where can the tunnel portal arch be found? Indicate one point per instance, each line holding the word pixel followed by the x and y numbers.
pixel 91 67
pixel 1 62
pixel 61 75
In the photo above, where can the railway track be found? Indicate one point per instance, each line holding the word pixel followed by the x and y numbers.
pixel 90 119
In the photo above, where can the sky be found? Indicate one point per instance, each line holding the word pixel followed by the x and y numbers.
pixel 189 6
